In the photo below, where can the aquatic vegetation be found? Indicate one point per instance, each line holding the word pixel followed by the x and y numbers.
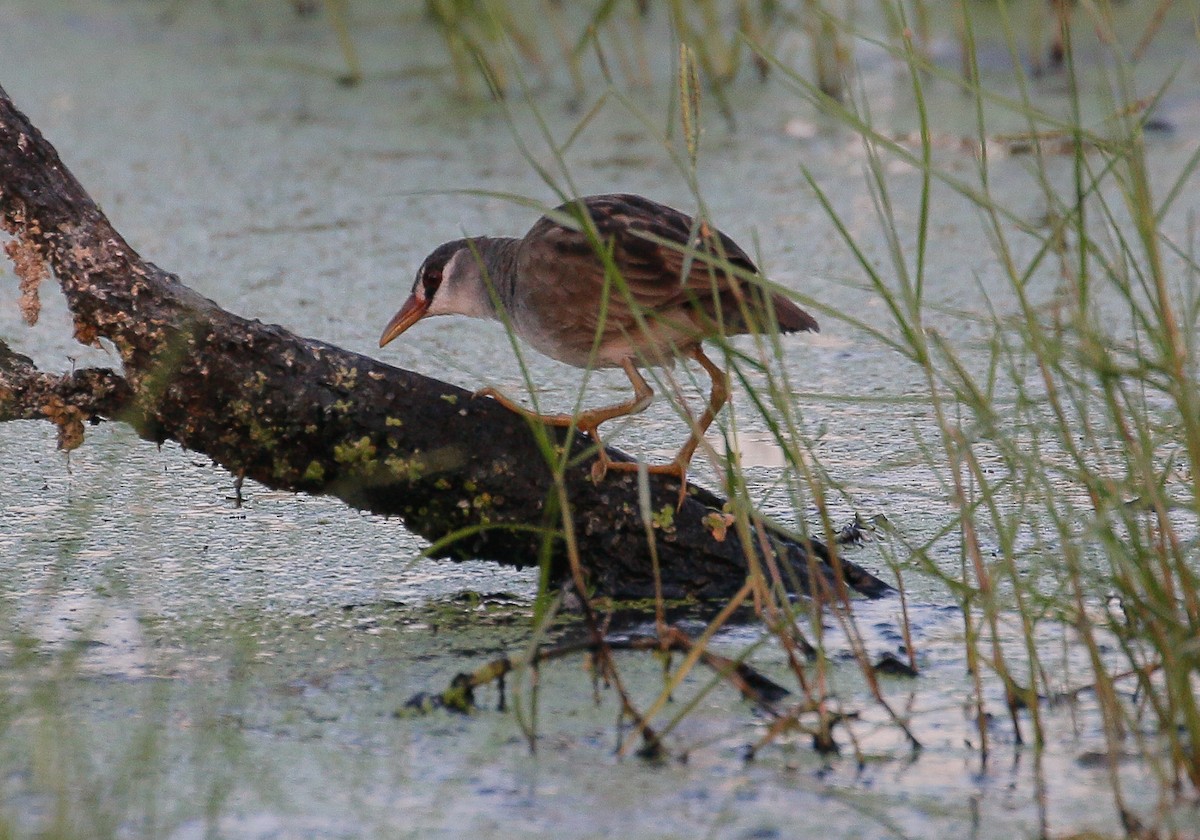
pixel 1063 426
pixel 1022 254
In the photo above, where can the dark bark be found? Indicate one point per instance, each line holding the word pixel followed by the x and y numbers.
pixel 301 415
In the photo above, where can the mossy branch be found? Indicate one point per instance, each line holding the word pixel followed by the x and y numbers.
pixel 297 414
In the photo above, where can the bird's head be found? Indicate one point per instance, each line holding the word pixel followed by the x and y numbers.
pixel 438 289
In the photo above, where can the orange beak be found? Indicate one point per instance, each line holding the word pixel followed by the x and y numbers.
pixel 411 312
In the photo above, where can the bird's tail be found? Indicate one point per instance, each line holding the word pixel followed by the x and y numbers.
pixel 791 317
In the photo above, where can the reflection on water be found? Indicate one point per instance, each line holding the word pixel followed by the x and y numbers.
pixel 753 450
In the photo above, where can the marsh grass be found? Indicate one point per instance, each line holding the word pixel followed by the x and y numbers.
pixel 761 371
pixel 1067 453
pixel 1070 452
pixel 482 37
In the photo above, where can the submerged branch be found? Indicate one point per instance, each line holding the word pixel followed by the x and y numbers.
pixel 753 685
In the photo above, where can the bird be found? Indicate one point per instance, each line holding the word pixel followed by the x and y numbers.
pixel 608 281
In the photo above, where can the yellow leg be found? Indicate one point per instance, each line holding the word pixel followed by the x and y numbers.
pixel 515 407
pixel 590 420
pixel 716 401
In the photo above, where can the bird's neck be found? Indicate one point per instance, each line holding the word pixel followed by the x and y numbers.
pixel 497 264
pixel 478 280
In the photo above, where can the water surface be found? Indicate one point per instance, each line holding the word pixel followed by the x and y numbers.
pixel 179 666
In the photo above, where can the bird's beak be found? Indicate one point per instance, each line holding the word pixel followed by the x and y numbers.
pixel 411 312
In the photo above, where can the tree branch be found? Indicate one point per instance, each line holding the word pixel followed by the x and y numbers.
pixel 297 414
pixel 67 401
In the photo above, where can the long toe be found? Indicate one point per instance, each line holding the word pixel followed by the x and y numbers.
pixel 560 420
pixel 601 464
pixel 672 468
pixel 499 396
pixel 600 469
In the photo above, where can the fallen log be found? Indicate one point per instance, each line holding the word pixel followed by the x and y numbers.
pixel 297 414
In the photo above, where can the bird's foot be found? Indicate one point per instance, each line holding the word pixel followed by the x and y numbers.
pixel 562 420
pixel 500 397
pixel 675 468
pixel 599 470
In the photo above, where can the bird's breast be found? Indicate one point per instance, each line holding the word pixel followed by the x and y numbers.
pixel 581 337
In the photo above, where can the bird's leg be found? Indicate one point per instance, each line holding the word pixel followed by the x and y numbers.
pixel 515 407
pixel 590 420
pixel 716 401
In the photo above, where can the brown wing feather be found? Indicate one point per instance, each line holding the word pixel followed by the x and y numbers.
pixel 652 246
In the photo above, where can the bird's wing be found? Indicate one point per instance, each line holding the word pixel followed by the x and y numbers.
pixel 668 262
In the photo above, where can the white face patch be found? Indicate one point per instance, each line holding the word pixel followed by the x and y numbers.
pixel 462 291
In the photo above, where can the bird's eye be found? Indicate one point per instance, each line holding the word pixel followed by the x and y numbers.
pixel 431 281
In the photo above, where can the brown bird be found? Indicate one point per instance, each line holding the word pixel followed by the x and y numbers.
pixel 607 281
